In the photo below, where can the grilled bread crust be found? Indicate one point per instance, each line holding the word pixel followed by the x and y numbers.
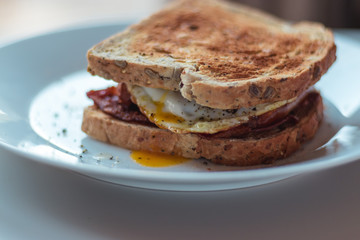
pixel 220 54
pixel 247 151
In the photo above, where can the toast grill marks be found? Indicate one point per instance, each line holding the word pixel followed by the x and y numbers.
pixel 228 47
pixel 117 103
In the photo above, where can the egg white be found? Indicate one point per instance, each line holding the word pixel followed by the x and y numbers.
pixel 169 110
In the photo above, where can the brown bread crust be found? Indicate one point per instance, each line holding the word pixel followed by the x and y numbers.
pixel 219 54
pixel 252 150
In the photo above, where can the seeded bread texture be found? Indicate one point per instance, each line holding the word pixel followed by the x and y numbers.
pixel 220 54
pixel 228 151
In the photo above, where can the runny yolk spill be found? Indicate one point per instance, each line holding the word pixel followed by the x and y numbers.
pixel 160 116
pixel 150 159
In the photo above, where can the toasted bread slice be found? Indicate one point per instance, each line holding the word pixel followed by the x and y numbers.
pixel 246 151
pixel 221 55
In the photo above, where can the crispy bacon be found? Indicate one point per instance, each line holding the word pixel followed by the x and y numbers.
pixel 117 103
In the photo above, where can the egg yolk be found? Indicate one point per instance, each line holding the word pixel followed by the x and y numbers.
pixel 150 159
pixel 160 116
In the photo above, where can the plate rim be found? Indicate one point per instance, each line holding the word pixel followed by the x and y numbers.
pixel 143 174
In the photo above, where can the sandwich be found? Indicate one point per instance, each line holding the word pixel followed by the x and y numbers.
pixel 210 79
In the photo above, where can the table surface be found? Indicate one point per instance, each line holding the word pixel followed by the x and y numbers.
pixel 43 202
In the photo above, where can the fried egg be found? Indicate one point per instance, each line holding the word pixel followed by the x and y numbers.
pixel 169 110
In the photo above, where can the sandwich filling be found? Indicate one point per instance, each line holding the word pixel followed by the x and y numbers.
pixel 168 110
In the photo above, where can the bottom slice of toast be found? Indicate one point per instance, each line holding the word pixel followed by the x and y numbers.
pixel 251 150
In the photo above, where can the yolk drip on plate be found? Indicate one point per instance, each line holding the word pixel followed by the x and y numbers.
pixel 150 159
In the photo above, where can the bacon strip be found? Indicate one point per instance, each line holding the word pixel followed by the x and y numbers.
pixel 117 103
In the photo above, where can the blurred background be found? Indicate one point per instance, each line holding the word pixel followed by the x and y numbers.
pixel 21 18
pixel 332 13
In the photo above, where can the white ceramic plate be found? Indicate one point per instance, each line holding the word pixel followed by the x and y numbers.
pixel 42 95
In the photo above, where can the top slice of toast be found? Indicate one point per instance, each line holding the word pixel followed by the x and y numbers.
pixel 220 54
